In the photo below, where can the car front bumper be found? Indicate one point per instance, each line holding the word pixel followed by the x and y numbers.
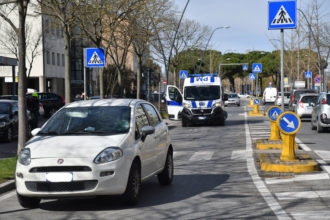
pixel 215 116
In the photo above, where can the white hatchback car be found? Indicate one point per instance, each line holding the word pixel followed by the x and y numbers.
pixel 96 147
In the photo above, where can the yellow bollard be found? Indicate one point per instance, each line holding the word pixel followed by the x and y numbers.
pixel 274 132
pixel 251 102
pixel 288 152
pixel 255 111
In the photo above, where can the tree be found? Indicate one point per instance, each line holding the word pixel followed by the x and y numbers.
pixel 22 6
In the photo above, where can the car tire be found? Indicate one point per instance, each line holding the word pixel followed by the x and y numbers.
pixel 133 188
pixel 166 176
pixel 319 128
pixel 313 127
pixel 28 202
pixel 222 121
pixel 9 135
pixel 238 105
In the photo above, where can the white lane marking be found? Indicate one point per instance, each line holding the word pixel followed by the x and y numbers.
pixel 324 154
pixel 302 145
pixel 201 155
pixel 178 153
pixel 310 215
pixel 324 165
pixel 239 154
pixel 261 186
pixel 310 177
pixel 303 195
pixel 7 195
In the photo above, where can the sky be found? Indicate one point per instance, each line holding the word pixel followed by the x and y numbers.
pixel 248 21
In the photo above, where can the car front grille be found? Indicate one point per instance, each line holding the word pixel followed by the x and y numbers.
pixel 201 111
pixel 60 169
pixel 61 186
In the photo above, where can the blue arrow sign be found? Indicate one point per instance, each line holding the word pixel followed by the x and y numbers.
pixel 252 76
pixel 289 122
pixel 95 57
pixel 245 67
pixel 257 67
pixel 274 112
pixel 183 74
pixel 252 97
pixel 282 15
pixel 256 101
pixel 308 75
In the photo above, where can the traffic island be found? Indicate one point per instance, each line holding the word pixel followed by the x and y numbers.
pixel 270 162
pixel 255 111
pixel 264 144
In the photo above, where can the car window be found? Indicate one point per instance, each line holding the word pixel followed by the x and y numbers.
pixel 4 108
pixel 15 108
pixel 153 116
pixel 309 99
pixel 141 119
pixel 232 95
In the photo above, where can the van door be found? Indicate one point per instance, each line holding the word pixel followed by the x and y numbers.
pixel 173 102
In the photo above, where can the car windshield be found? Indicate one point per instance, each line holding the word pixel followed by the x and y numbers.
pixel 232 95
pixel 309 99
pixel 202 92
pixel 298 93
pixel 4 108
pixel 286 94
pixel 328 99
pixel 107 120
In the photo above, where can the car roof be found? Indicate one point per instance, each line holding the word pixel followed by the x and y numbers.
pixel 309 94
pixel 8 101
pixel 104 102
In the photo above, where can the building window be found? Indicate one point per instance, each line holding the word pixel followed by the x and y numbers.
pixel 63 60
pixel 53 58
pixel 48 57
pixel 58 31
pixel 47 25
pixel 58 59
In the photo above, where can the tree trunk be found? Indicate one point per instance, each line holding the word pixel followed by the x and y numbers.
pixel 138 76
pixel 120 84
pixel 67 69
pixel 22 117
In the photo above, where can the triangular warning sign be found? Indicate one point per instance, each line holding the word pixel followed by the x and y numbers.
pixel 282 17
pixel 252 77
pixel 275 115
pixel 184 75
pixel 256 69
pixel 95 59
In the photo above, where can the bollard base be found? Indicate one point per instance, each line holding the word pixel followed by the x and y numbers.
pixel 265 144
pixel 252 113
pixel 272 163
pixel 249 106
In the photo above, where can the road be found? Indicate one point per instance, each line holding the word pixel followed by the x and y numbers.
pixel 216 177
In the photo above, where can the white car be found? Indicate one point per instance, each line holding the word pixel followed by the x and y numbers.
pixel 96 147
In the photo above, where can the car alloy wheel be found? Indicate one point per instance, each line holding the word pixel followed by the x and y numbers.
pixel 133 188
pixel 166 176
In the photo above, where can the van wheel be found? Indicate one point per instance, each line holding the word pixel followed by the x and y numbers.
pixel 166 176
pixel 28 202
pixel 222 120
pixel 133 188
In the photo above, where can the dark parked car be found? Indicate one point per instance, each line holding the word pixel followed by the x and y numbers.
pixel 51 102
pixel 8 119
pixel 295 96
pixel 9 97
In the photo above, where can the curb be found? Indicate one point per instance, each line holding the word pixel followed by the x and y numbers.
pixel 7 186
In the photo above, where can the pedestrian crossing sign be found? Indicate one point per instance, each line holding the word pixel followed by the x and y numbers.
pixel 282 14
pixel 308 75
pixel 252 76
pixel 95 57
pixel 257 67
pixel 183 74
pixel 245 67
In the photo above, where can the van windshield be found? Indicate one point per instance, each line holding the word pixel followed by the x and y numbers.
pixel 202 92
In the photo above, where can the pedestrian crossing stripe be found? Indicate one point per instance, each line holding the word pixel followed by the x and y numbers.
pixel 282 17
pixel 256 69
pixel 95 59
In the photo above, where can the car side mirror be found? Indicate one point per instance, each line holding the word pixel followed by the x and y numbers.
pixel 35 131
pixel 225 97
pixel 146 130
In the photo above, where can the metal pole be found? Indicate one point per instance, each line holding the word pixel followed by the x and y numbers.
pixel 257 87
pixel 282 70
pixel 14 80
pixel 84 74
pixel 148 86
pixel 159 94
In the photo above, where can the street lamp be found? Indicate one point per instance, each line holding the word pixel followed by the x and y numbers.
pixel 207 44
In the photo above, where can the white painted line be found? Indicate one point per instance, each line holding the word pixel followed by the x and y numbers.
pixel 303 195
pixel 324 154
pixel 260 132
pixel 324 165
pixel 7 195
pixel 311 215
pixel 302 145
pixel 310 177
pixel 202 155
pixel 261 186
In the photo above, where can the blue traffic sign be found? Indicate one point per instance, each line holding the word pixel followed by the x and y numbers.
pixel 282 15
pixel 256 101
pixel 316 88
pixel 308 75
pixel 257 67
pixel 95 57
pixel 252 76
pixel 245 67
pixel 252 97
pixel 317 79
pixel 183 74
pixel 250 92
pixel 289 122
pixel 273 113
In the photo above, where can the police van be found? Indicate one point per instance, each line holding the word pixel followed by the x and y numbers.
pixel 202 101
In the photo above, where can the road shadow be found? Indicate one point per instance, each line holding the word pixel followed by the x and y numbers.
pixel 183 187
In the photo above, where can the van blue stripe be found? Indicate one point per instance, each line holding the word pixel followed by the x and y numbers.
pixel 209 104
pixel 173 103
pixel 193 104
pixel 212 79
pixel 192 80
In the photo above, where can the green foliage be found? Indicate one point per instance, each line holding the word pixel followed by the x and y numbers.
pixel 7 168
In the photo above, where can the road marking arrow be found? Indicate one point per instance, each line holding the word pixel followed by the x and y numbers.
pixel 290 123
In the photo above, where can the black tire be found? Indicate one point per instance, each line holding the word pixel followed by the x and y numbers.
pixel 184 123
pixel 28 202
pixel 313 127
pixel 133 188
pixel 166 176
pixel 221 120
pixel 238 105
pixel 319 128
pixel 9 135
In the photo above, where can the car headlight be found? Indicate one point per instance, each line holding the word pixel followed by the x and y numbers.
pixel 109 154
pixel 217 104
pixel 3 124
pixel 187 105
pixel 24 157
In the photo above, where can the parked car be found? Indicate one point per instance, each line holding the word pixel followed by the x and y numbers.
pixel 51 102
pixel 95 147
pixel 278 100
pixel 305 104
pixel 321 113
pixel 269 95
pixel 295 95
pixel 9 97
pixel 233 99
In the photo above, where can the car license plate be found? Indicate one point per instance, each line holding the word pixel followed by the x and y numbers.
pixel 59 177
pixel 201 118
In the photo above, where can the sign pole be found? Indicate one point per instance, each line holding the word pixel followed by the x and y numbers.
pixel 84 75
pixel 282 70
